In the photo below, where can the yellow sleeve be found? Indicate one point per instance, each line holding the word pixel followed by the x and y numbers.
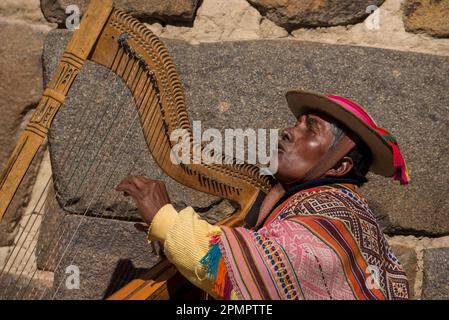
pixel 186 240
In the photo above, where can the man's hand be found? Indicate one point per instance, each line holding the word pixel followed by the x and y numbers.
pixel 149 195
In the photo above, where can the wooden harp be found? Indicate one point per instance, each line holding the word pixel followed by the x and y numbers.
pixel 111 38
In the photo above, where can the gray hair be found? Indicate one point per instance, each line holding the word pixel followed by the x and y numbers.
pixel 338 132
pixel 361 155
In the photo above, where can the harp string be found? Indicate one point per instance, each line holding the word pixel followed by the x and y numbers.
pixel 104 188
pixel 153 103
pixel 95 158
pixel 154 106
pixel 36 215
pixel 139 72
pixel 84 215
pixel 98 123
pixel 152 109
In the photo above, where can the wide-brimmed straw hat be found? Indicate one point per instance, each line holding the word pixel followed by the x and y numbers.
pixel 387 158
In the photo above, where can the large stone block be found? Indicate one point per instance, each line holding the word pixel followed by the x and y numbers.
pixel 53 235
pixel 107 253
pixel 427 16
pixel 294 14
pixel 436 274
pixel 167 11
pixel 21 47
pixel 242 85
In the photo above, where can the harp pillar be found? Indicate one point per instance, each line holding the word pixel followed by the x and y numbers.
pixel 36 131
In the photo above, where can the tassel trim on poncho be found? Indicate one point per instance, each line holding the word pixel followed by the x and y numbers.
pixel 215 267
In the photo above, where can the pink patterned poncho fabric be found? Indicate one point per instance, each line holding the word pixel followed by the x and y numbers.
pixel 321 243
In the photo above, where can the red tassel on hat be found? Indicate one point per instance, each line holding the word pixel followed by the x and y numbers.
pixel 401 171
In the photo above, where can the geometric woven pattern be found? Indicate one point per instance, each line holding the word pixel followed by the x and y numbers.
pixel 320 243
pixel 344 203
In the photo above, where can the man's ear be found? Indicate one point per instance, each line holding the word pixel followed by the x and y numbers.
pixel 343 167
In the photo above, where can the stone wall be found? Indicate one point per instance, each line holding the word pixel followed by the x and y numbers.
pixel 236 59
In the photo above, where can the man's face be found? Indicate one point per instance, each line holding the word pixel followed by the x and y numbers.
pixel 301 147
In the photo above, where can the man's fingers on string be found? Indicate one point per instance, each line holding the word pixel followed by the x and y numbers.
pixel 143 179
pixel 137 180
pixel 128 187
pixel 124 180
pixel 130 180
pixel 150 181
pixel 119 187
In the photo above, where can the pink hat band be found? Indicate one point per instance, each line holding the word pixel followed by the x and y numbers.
pixel 401 170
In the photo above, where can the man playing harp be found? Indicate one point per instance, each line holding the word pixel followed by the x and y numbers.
pixel 316 237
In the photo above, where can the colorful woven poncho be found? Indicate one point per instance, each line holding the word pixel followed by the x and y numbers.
pixel 320 243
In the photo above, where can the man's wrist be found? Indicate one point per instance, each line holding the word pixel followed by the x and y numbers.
pixel 162 222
